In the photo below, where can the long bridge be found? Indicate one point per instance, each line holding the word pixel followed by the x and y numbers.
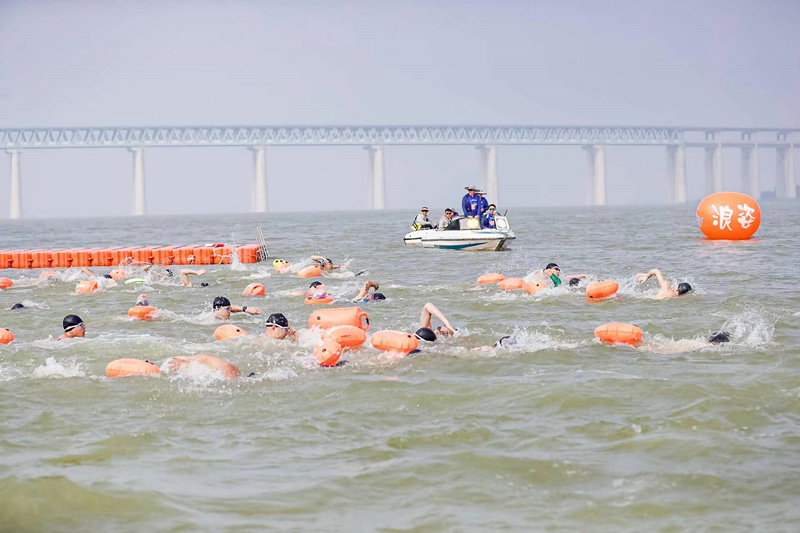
pixel 593 139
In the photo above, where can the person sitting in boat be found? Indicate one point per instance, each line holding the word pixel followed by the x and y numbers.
pixel 446 219
pixel 324 263
pixel 471 203
pixel 488 217
pixel 421 221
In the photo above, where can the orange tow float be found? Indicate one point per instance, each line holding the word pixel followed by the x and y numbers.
pixel 601 289
pixel 395 341
pixel 316 301
pixel 488 279
pixel 347 336
pixel 255 289
pixel 130 367
pixel 311 271
pixel 618 333
pixel 142 312
pixel 343 316
pixel 228 331
pixel 5 283
pixel 6 337
pixel 532 287
pixel 85 287
pixel 511 284
pixel 328 352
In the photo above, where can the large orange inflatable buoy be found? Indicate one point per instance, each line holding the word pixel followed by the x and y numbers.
pixel 130 367
pixel 487 279
pixel 48 274
pixel 316 301
pixel 618 333
pixel 347 336
pixel 729 216
pixel 5 283
pixel 117 274
pixel 328 353
pixel 395 341
pixel 601 289
pixel 85 287
pixel 310 272
pixel 142 312
pixel 228 331
pixel 532 287
pixel 6 337
pixel 343 316
pixel 511 284
pixel 254 289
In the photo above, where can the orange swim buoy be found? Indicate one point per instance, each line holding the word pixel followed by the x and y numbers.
pixel 284 268
pixel 48 274
pixel 85 287
pixel 328 352
pixel 316 301
pixel 254 289
pixel 347 336
pixel 142 312
pixel 228 331
pixel 5 283
pixel 486 279
pixel 395 341
pixel 6 337
pixel 343 316
pixel 601 289
pixel 511 284
pixel 117 274
pixel 130 367
pixel 618 333
pixel 728 215
pixel 532 287
pixel 311 271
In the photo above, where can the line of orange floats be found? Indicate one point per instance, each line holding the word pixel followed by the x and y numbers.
pixel 596 290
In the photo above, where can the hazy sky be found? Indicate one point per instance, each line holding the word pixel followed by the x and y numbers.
pixel 110 63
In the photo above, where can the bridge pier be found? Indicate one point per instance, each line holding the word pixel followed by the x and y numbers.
pixel 15 208
pixel 714 181
pixel 785 182
pixel 596 160
pixel 259 201
pixel 676 174
pixel 377 186
pixel 138 181
pixel 751 181
pixel 491 177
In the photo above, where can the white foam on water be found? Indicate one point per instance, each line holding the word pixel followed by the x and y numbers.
pixel 9 372
pixel 750 328
pixel 56 369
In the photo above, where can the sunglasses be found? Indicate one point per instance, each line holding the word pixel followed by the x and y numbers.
pixel 284 328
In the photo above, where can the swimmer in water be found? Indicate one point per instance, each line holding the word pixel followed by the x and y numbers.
pixel 229 370
pixel 73 327
pixel 141 301
pixel 364 296
pixel 89 274
pixel 185 273
pixel 504 342
pixel 665 290
pixel 224 308
pixel 278 328
pixel 316 290
pixel 425 332
pixel 324 263
pixel 552 274
pixel 17 306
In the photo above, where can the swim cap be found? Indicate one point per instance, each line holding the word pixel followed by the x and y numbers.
pixel 573 282
pixel 683 288
pixel 71 322
pixel 107 276
pixel 17 306
pixel 204 284
pixel 719 337
pixel 277 319
pixel 378 296
pixel 425 334
pixel 551 265
pixel 506 341
pixel 278 262
pixel 315 284
pixel 221 301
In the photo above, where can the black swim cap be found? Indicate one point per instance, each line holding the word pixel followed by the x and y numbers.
pixel 221 301
pixel 107 276
pixel 71 321
pixel 719 337
pixel 506 341
pixel 315 284
pixel 17 306
pixel 204 284
pixel 683 288
pixel 573 282
pixel 551 265
pixel 378 296
pixel 425 334
pixel 277 319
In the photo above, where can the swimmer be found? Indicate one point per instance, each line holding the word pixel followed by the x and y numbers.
pixel 278 328
pixel 228 370
pixel 425 332
pixel 141 301
pixel 324 263
pixel 224 308
pixel 552 274
pixel 364 295
pixel 665 290
pixel 317 289
pixel 185 273
pixel 504 342
pixel 73 327
pixel 17 306
pixel 89 274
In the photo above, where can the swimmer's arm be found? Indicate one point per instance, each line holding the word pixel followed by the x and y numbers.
pixel 249 310
pixel 578 276
pixel 364 291
pixel 292 334
pixel 87 272
pixel 185 273
pixel 431 310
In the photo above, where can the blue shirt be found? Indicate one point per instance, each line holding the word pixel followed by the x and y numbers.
pixel 488 221
pixel 470 205
pixel 484 204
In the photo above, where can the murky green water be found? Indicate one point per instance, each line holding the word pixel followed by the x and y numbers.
pixel 556 433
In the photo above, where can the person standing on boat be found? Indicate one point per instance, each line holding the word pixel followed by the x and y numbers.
pixel 471 203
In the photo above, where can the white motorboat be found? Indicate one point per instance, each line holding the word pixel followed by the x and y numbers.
pixel 464 234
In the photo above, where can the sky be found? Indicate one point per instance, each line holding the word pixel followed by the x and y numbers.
pixel 107 63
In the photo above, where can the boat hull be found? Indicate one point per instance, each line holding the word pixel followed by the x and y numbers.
pixel 478 240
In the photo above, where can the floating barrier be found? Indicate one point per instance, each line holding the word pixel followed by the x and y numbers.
pixel 311 271
pixel 142 312
pixel 532 287
pixel 511 284
pixel 343 316
pixel 198 254
pixel 395 341
pixel 228 331
pixel 6 337
pixel 5 283
pixel 85 287
pixel 316 301
pixel 255 289
pixel 728 216
pixel 328 352
pixel 130 367
pixel 347 336
pixel 618 333
pixel 601 289
pixel 487 279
